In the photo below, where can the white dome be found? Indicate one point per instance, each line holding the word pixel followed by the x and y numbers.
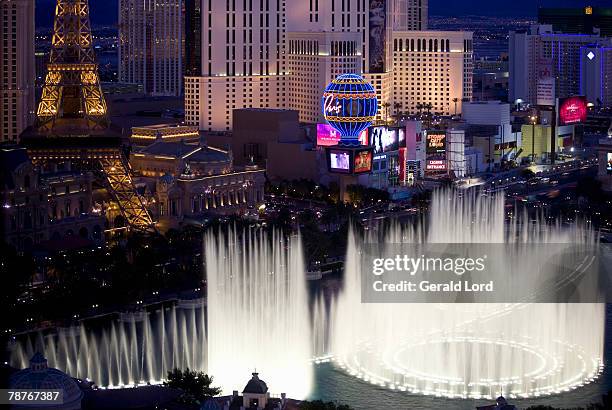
pixel 40 376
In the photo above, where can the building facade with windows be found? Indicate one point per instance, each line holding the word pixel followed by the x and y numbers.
pixel 151 45
pixel 17 68
pixel 371 20
pixel 193 37
pixel 541 52
pixel 582 20
pixel 410 15
pixel 242 61
pixel 45 205
pixel 272 54
pixel 432 67
pixel 596 74
pixel 194 180
pixel 314 59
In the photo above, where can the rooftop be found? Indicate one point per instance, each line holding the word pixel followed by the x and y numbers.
pixel 164 126
pixel 182 150
pixel 256 385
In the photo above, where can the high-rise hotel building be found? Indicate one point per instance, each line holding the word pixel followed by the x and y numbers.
pixel 542 53
pixel 17 68
pixel 314 59
pixel 436 70
pixel 410 15
pixel 242 61
pixel 272 53
pixel 348 36
pixel 432 69
pixel 151 45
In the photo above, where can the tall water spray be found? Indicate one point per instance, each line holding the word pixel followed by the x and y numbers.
pixel 466 350
pixel 132 349
pixel 258 312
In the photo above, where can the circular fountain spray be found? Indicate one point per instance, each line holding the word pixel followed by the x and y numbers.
pixel 465 350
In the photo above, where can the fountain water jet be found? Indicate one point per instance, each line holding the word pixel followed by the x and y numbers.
pixel 137 348
pixel 258 311
pixel 474 350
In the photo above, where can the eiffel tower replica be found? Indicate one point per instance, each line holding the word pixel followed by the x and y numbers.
pixel 71 120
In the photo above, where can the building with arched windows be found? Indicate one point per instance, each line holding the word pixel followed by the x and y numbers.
pixel 192 181
pixel 39 206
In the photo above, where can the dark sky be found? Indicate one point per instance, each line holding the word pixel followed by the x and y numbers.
pixel 104 12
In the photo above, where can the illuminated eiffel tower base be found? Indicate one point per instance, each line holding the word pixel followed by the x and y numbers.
pixel 71 120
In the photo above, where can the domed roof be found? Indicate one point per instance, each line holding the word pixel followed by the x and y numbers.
pixel 256 385
pixel 351 84
pixel 40 376
pixel 501 400
pixel 210 404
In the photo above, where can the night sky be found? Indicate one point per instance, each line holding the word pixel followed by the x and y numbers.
pixel 104 12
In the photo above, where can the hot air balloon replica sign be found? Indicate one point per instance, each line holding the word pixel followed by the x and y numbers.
pixel 349 105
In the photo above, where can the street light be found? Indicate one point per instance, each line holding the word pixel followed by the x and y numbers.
pixel 533 120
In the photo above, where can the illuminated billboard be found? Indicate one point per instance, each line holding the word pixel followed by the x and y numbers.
pixel 363 161
pixel 435 151
pixel 378 28
pixel 572 110
pixel 385 139
pixel 435 165
pixel 328 136
pixel 340 161
pixel 350 160
pixel 609 163
pixel 435 142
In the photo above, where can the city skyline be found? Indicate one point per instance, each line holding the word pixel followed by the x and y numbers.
pixel 306 204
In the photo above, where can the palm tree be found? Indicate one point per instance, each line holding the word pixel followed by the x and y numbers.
pixel 396 107
pixel 428 107
pixel 386 106
pixel 455 101
pixel 419 107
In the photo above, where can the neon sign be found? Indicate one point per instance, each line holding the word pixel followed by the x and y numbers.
pixel 329 106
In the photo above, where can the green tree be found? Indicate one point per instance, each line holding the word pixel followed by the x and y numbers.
pixel 195 385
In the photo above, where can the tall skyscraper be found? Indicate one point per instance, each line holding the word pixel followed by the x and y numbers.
pixel 243 61
pixel 17 71
pixel 542 52
pixel 371 20
pixel 151 45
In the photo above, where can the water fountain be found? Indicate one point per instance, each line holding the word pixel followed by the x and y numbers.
pixel 466 350
pixel 135 348
pixel 258 311
pixel 258 318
